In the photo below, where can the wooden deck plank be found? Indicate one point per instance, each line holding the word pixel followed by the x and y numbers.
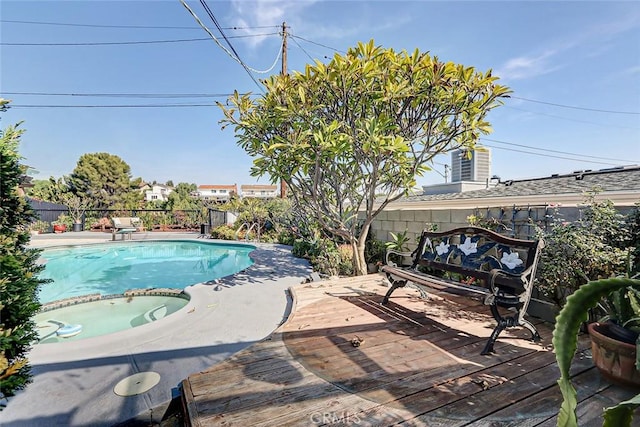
pixel 419 365
pixel 483 402
pixel 544 407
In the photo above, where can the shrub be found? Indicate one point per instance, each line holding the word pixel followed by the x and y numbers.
pixel 18 272
pixel 322 253
pixel 594 247
pixel 374 250
pixel 633 223
pixel 270 236
pixel 223 232
pixel 40 226
pixel 345 266
pixel 286 238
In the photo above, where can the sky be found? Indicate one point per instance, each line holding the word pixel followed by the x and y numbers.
pixel 139 79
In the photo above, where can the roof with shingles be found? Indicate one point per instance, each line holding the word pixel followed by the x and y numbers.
pixel 233 187
pixel 606 180
pixel 259 187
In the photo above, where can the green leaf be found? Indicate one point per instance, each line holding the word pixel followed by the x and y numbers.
pixel 565 336
pixel 621 414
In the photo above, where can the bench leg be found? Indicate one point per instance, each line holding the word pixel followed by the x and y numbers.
pixel 395 284
pixel 488 348
pixel 535 336
pixel 508 322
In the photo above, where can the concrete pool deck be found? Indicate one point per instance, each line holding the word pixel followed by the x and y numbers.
pixel 73 382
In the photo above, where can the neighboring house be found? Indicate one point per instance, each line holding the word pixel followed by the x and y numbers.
pixel 157 192
pixel 220 193
pixel 144 187
pixel 518 204
pixel 259 191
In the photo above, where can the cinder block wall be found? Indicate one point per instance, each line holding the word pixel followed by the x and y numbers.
pixel 517 221
pixel 414 221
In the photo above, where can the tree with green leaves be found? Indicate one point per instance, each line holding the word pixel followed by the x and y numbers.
pixel 49 190
pixel 18 270
pixel 181 199
pixel 106 180
pixel 367 122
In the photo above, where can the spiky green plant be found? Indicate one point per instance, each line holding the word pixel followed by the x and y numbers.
pixel 623 307
pixel 565 342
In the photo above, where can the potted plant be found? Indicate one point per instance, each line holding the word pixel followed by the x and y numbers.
pixel 62 224
pixel 568 322
pixel 77 207
pixel 398 248
pixel 374 251
pixel 615 337
pixel 58 228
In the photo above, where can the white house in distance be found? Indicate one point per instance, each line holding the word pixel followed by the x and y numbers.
pixel 258 191
pixel 220 193
pixel 157 192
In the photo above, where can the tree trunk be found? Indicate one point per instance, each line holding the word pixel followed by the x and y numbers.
pixel 359 261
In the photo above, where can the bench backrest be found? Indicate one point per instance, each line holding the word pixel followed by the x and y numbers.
pixel 476 252
pixel 126 222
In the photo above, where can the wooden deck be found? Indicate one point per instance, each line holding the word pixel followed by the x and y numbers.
pixel 418 364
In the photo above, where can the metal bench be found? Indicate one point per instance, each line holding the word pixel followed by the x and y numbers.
pixel 125 226
pixel 472 260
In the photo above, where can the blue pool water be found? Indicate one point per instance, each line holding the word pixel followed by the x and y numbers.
pixel 115 268
pixel 121 313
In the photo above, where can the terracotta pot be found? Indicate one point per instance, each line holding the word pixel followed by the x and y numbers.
pixel 614 359
pixel 59 228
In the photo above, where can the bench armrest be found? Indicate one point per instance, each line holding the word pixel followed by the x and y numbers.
pixel 395 252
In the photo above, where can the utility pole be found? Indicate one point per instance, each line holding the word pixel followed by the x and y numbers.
pixel 283 185
pixel 284 48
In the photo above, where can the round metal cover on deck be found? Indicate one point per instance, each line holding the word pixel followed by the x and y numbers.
pixel 137 384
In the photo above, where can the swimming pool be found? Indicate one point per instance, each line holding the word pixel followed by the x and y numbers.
pixel 89 318
pixel 114 268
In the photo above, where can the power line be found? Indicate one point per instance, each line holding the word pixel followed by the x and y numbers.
pixel 131 42
pixel 301 48
pixel 546 150
pixel 318 44
pixel 570 119
pixel 576 108
pixel 68 24
pixel 125 95
pixel 557 157
pixel 204 27
pixel 514 97
pixel 235 52
pixel 115 106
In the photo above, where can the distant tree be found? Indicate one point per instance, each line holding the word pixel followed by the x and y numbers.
pixel 180 198
pixel 48 190
pixel 169 183
pixel 104 178
pixel 129 201
pixel 367 122
pixel 18 271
